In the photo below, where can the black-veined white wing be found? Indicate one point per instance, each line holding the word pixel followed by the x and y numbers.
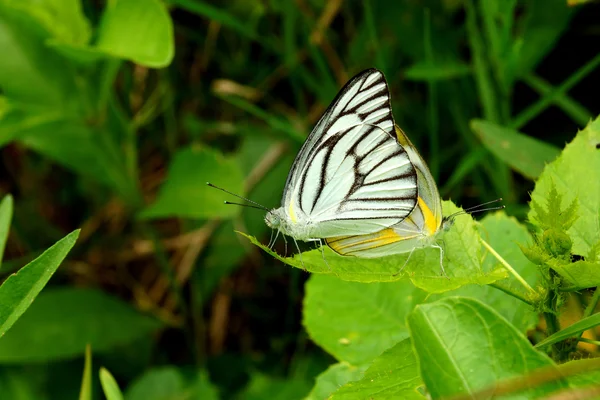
pixel 351 167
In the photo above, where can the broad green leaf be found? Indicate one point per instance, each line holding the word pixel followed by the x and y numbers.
pixel 392 375
pixel 356 322
pixel 576 175
pixel 63 19
pixel 504 234
pixel 423 72
pixel 574 329
pixel 20 289
pixel 85 150
pixel 265 387
pixel 462 261
pixel 138 31
pixel 185 193
pixel 110 385
pixel 61 322
pixel 578 275
pixel 29 71
pixel 157 384
pixel 464 346
pixel 6 212
pixel 333 378
pixel 86 381
pixel 524 154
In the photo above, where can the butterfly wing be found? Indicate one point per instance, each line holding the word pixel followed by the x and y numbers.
pixel 352 175
pixel 416 230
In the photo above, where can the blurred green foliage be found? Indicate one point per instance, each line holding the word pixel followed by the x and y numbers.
pixel 114 115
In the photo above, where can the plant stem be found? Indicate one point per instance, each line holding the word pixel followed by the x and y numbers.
pixel 590 341
pixel 511 293
pixel 507 266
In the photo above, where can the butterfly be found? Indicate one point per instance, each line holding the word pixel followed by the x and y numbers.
pixel 358 183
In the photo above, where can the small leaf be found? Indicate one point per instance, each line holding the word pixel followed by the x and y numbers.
pixel 185 193
pixel 354 321
pixel 35 74
pixel 109 385
pixel 20 289
pixel 574 329
pixel 72 143
pixel 86 381
pixel 138 31
pixel 462 261
pixel 265 387
pixel 6 212
pixel 392 375
pixel 158 383
pixel 576 176
pixel 63 19
pixel 445 332
pixel 578 275
pixel 523 153
pixel 61 322
pixel 336 376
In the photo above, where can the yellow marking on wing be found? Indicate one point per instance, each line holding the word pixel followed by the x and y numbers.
pixel 377 239
pixel 291 211
pixel 402 138
pixel 431 222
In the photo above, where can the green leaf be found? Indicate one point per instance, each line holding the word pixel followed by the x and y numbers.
pixel 6 212
pixel 20 289
pixel 462 261
pixel 524 154
pixel 356 322
pixel 576 175
pixel 463 346
pixel 109 385
pixel 138 31
pixel 63 19
pixel 157 383
pixel 87 151
pixel 265 387
pixel 578 275
pixel 34 74
pixel 393 375
pixel 333 378
pixel 166 383
pixel 423 72
pixel 574 329
pixel 61 322
pixel 86 381
pixel 185 193
pixel 504 234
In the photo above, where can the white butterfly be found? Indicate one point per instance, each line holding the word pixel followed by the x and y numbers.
pixel 358 183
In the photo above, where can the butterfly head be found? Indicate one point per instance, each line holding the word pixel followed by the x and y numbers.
pixel 274 219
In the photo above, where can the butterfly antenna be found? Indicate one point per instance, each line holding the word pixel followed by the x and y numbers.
pixel 256 205
pixel 483 204
pixel 244 205
pixel 477 209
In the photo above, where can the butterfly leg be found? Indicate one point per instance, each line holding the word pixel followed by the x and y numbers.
pixel 285 246
pixel 405 262
pixel 271 241
pixel 323 254
pixel 441 259
pixel 299 254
